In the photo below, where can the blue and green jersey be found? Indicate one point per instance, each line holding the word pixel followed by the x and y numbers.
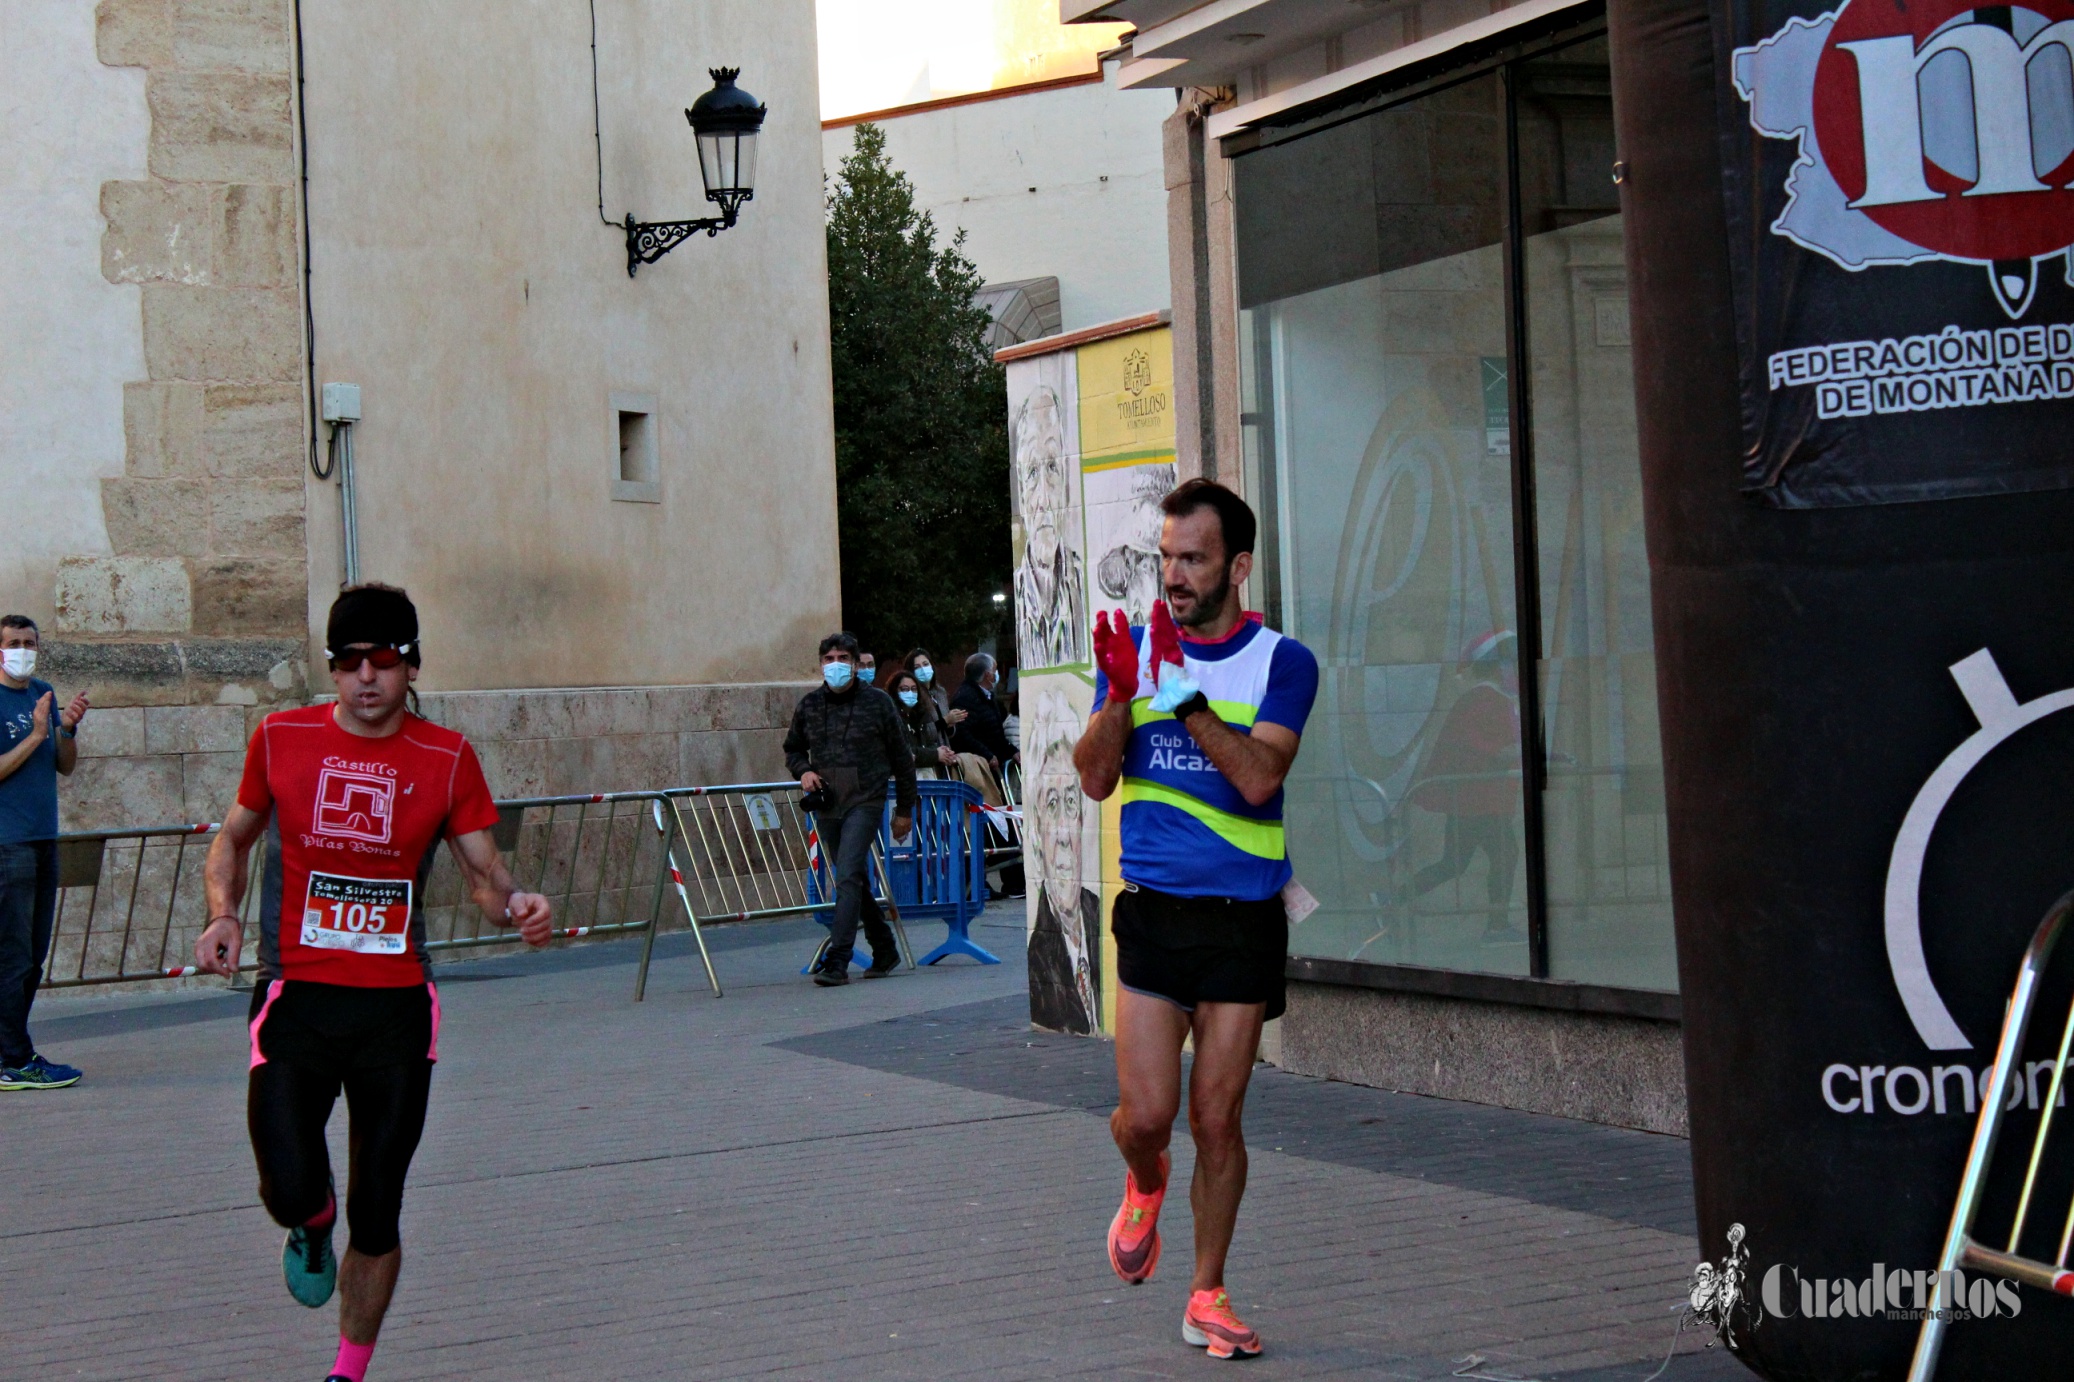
pixel 1186 830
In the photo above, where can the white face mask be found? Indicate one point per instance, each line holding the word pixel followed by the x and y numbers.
pixel 19 662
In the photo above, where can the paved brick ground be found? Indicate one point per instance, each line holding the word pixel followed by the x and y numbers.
pixel 895 1180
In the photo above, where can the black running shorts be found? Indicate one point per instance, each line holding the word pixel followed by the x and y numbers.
pixel 1191 950
pixel 311 1041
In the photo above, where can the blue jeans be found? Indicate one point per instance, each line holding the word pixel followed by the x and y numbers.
pixel 847 840
pixel 28 901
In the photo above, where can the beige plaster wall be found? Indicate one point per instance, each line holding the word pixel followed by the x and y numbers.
pixel 461 276
pixel 69 338
pixel 1064 183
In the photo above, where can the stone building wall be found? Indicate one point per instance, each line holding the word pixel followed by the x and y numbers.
pixel 203 598
pixel 165 764
pixel 195 618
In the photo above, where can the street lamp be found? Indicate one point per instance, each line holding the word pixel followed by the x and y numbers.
pixel 724 121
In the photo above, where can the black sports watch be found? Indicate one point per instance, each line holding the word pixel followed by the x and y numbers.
pixel 1190 706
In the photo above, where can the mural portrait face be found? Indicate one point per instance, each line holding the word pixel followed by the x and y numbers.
pixel 1040 470
pixel 1062 810
pixel 1061 816
pixel 1057 834
pixel 1058 828
pixel 1051 580
pixel 1128 571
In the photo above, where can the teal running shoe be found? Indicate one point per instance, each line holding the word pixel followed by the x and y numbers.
pixel 308 1265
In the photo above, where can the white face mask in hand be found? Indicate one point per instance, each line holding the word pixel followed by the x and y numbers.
pixel 19 662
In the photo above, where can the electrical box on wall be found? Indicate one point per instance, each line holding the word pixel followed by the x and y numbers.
pixel 342 403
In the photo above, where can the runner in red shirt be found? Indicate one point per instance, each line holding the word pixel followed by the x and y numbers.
pixel 354 800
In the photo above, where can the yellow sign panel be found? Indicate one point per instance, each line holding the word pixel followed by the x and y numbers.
pixel 1127 399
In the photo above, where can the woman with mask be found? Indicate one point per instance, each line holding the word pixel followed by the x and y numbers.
pixel 918 721
pixel 924 669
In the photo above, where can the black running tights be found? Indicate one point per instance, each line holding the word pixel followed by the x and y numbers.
pixel 287 1108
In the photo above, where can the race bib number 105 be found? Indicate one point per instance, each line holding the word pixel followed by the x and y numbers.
pixel 368 915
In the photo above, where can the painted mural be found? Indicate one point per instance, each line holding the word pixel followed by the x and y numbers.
pixel 1093 435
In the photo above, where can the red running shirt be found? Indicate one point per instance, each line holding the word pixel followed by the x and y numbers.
pixel 356 826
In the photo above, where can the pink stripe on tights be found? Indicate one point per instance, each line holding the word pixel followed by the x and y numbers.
pixel 273 991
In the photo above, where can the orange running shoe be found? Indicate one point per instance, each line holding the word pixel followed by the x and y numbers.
pixel 1209 1323
pixel 1134 1232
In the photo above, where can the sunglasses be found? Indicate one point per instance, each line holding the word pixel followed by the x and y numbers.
pixel 383 657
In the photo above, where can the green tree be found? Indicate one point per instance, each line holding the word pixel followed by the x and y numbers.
pixel 921 432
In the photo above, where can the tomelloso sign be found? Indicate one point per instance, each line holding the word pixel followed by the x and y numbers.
pixel 1902 234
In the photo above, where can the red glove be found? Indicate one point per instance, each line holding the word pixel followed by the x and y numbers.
pixel 1166 639
pixel 1117 656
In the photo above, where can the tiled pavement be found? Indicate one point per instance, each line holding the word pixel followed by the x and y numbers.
pixel 894 1180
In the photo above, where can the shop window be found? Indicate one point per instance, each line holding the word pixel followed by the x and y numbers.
pixel 1440 423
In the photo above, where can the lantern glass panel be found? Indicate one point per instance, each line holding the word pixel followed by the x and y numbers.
pixel 727 162
pixel 745 161
pixel 710 169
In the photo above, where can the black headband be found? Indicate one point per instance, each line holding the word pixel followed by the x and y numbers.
pixel 380 617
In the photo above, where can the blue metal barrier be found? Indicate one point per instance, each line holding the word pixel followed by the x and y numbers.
pixel 940 871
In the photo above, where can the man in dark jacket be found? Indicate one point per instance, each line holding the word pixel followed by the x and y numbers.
pixel 981 732
pixel 844 743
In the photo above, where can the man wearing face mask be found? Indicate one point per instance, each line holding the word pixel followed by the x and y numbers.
pixel 844 743
pixel 37 742
pixel 981 732
pixel 867 669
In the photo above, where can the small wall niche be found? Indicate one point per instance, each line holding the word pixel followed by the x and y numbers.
pixel 637 468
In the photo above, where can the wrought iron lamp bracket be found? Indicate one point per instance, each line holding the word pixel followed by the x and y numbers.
pixel 648 241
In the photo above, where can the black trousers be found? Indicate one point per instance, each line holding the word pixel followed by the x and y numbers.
pixel 28 902
pixel 846 840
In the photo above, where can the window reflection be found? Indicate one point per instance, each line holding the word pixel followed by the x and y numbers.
pixel 1609 897
pixel 1377 325
pixel 1379 437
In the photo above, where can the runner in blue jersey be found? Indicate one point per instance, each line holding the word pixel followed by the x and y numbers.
pixel 1197 719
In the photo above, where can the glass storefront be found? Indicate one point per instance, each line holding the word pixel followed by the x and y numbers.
pixel 1439 420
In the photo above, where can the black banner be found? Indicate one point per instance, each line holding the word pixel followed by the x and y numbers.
pixel 1900 223
pixel 1868 730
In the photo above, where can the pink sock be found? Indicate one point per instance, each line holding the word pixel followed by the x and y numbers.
pixel 352 1360
pixel 326 1218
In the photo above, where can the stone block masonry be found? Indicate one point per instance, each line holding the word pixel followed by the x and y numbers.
pixel 204 597
pixel 1625 1071
pixel 162 764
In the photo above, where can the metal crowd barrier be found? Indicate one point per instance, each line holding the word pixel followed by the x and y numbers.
pixel 1005 825
pixel 1961 1252
pixel 938 871
pixel 747 856
pixel 111 880
pixel 130 902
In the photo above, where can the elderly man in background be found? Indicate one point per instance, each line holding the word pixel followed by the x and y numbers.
pixel 981 731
